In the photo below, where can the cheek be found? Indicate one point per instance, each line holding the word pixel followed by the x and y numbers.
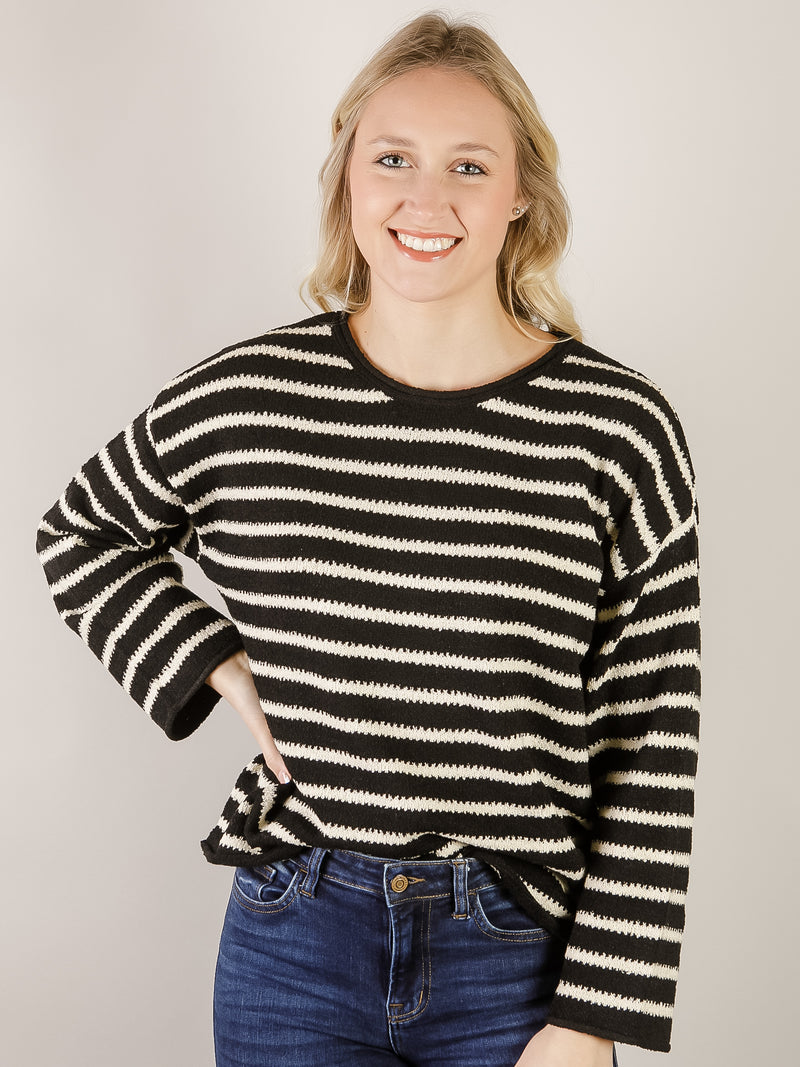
pixel 364 202
pixel 495 223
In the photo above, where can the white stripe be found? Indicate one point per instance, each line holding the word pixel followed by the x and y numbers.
pixel 611 427
pixel 645 706
pixel 621 963
pixel 423 734
pixel 130 616
pixel 346 833
pixel 634 397
pixel 48 528
pixel 440 697
pixel 406 435
pixel 437 585
pixel 387 654
pixel 669 660
pixel 436 771
pixel 672 820
pixel 646 779
pixel 682 573
pixel 233 841
pixel 168 623
pixel 322 329
pixel 177 659
pixel 614 1000
pixel 452 848
pixel 399 544
pixel 643 627
pixel 243 804
pixel 423 512
pixel 159 490
pixel 335 831
pixel 611 368
pixel 380 616
pixel 146 521
pixel 653 739
pixel 640 855
pixel 552 907
pixel 629 927
pixel 90 609
pixel 65 543
pixel 394 471
pixel 659 582
pixel 635 890
pixel 74 518
pixel 68 581
pixel 424 804
pixel 113 523
pixel 265 383
pixel 262 349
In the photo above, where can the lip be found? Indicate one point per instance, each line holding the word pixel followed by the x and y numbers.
pixel 425 257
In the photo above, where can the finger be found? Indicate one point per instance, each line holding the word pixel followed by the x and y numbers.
pixel 274 760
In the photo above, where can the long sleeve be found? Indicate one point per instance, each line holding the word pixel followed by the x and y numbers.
pixel 106 550
pixel 642 694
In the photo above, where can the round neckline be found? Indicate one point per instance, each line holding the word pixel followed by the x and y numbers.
pixel 402 391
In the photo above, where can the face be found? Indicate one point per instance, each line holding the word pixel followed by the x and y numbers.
pixel 433 186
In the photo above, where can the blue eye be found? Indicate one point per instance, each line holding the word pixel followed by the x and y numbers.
pixel 470 169
pixel 393 161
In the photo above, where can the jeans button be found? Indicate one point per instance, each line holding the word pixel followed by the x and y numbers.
pixel 399 883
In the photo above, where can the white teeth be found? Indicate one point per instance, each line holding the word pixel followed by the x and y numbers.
pixel 427 244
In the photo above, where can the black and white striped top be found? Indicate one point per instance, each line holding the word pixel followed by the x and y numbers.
pixel 472 618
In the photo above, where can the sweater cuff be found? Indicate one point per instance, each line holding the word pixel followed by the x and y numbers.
pixel 629 1026
pixel 190 709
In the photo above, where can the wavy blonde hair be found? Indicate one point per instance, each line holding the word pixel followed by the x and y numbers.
pixel 527 266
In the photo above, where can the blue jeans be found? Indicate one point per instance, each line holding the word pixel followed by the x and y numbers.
pixel 336 959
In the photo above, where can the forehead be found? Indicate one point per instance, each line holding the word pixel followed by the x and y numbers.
pixel 433 101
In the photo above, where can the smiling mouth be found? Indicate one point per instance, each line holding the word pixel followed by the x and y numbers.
pixel 433 246
pixel 426 244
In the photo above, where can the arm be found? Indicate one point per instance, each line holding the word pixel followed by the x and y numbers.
pixel 233 680
pixel 106 550
pixel 642 691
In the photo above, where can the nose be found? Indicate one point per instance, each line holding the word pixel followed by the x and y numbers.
pixel 425 197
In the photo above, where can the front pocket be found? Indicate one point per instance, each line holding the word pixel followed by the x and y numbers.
pixel 269 887
pixel 498 915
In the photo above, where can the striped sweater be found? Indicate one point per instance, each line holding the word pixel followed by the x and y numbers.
pixel 472 618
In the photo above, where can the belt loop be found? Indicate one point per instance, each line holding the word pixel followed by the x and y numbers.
pixel 460 898
pixel 308 886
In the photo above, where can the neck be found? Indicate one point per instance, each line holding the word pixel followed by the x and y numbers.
pixel 431 346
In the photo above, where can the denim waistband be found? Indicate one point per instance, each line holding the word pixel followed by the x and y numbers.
pixel 397 880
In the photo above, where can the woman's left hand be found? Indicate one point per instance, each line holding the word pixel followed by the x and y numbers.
pixel 556 1047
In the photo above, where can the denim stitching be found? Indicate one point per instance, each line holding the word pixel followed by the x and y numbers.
pixel 482 922
pixel 353 885
pixel 266 906
pixel 426 973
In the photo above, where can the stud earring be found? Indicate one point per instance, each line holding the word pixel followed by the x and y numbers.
pixel 517 211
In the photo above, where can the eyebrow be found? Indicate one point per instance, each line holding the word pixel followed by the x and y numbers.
pixel 403 142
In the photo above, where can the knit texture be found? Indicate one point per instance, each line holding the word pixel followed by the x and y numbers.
pixel 472 618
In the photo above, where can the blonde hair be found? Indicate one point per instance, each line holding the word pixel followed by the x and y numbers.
pixel 527 266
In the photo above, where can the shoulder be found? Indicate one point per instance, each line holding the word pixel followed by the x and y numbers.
pixel 621 409
pixel 240 372
pixel 609 388
pixel 626 425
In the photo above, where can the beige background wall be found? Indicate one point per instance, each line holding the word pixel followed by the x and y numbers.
pixel 158 200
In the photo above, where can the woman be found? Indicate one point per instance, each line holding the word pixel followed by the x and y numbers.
pixel 459 552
